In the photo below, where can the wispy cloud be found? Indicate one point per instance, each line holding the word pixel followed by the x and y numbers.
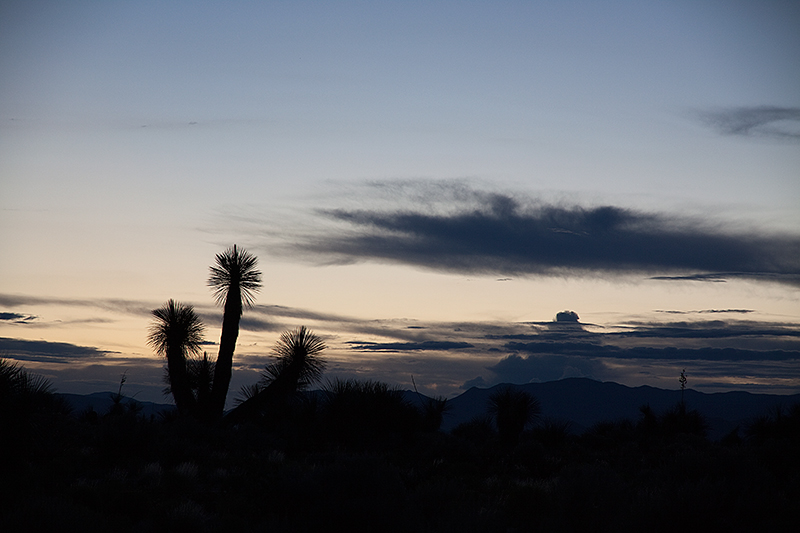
pixel 762 121
pixel 707 329
pixel 505 234
pixel 721 311
pixel 17 318
pixel 408 346
pixel 717 345
pixel 647 352
pixel 134 307
pixel 44 351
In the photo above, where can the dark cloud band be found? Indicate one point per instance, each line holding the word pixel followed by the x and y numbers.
pixel 409 346
pixel 44 351
pixel 501 236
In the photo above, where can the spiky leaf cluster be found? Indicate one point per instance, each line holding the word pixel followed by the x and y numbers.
pixel 200 374
pixel 176 324
pixel 235 268
pixel 16 381
pixel 513 409
pixel 299 349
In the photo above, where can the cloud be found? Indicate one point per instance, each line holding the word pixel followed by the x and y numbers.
pixel 475 382
pixel 650 353
pixel 256 324
pixel 493 233
pixel 305 314
pixel 16 318
pixel 408 346
pixel 646 352
pixel 516 369
pixel 44 351
pixel 762 121
pixel 673 312
pixel 567 316
pixel 133 307
pixel 706 329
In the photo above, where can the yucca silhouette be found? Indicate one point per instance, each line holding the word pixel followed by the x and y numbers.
pixel 234 278
pixel 358 410
pixel 297 365
pixel 177 334
pixel 513 409
pixel 27 408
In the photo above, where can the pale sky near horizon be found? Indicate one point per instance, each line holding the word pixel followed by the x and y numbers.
pixel 426 184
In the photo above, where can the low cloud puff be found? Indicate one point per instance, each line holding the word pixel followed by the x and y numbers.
pixel 567 316
pixel 540 368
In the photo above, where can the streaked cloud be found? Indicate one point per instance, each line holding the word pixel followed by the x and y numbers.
pixel 17 318
pixel 761 121
pixel 504 234
pixel 408 346
pixel 45 351
pixel 743 311
pixel 134 307
pixel 717 345
pixel 648 352
pixel 707 329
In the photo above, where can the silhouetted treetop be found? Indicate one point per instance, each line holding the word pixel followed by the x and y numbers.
pixel 235 269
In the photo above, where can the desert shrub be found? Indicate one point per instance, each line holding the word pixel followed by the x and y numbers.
pixel 513 409
pixel 552 433
pixel 779 423
pixel 358 410
pixel 676 421
pixel 479 430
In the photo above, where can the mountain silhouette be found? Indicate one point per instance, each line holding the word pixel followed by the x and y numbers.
pixel 582 402
pixel 101 403
pixel 585 402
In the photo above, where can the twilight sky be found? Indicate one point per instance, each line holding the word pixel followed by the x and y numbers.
pixel 426 185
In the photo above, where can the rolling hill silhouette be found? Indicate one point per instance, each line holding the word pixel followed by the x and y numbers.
pixel 581 401
pixel 585 402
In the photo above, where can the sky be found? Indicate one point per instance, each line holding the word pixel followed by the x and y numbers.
pixel 468 193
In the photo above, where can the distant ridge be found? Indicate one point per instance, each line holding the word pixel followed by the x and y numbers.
pixel 581 401
pixel 585 402
pixel 101 402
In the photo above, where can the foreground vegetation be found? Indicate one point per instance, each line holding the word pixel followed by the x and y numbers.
pixel 358 457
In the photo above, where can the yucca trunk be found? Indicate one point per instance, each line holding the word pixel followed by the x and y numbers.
pixel 227 345
pixel 205 380
pixel 179 379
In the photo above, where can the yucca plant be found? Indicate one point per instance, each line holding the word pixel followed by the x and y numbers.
pixel 27 406
pixel 433 410
pixel 356 409
pixel 234 280
pixel 200 376
pixel 177 334
pixel 16 382
pixel 513 409
pixel 297 365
